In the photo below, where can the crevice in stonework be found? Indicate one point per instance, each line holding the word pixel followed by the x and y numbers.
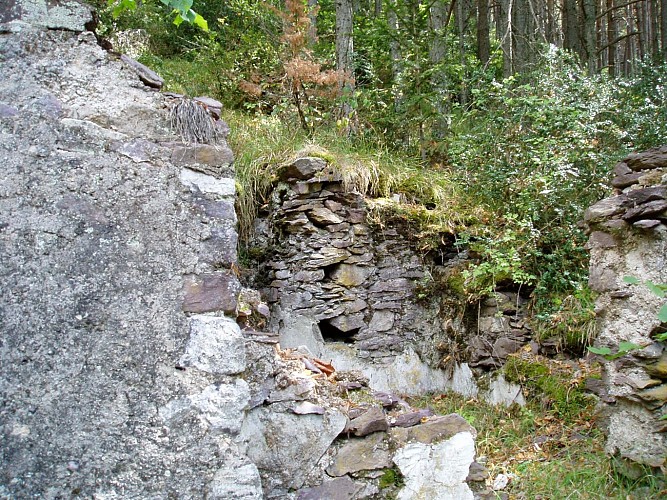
pixel 332 334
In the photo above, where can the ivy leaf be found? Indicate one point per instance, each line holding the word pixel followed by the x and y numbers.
pixel 122 6
pixel 602 351
pixel 631 280
pixel 624 347
pixel 662 314
pixel 183 6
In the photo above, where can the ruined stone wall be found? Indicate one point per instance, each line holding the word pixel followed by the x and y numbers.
pixel 628 237
pixel 119 353
pixel 356 293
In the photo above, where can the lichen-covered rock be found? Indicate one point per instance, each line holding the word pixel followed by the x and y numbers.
pixel 58 15
pixel 437 470
pixel 97 234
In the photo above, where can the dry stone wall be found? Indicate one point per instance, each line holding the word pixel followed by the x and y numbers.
pixel 356 293
pixel 628 237
pixel 345 289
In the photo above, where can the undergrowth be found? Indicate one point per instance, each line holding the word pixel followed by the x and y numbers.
pixel 550 448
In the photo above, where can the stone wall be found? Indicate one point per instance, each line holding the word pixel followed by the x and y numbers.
pixel 124 372
pixel 628 238
pixel 358 294
pixel 120 356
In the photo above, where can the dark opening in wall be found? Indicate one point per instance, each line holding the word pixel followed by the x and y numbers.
pixel 328 270
pixel 332 334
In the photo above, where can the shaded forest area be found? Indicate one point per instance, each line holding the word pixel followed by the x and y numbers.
pixel 492 123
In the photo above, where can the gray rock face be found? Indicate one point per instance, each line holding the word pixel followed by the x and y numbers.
pixel 634 387
pixel 287 445
pixel 59 14
pixel 98 232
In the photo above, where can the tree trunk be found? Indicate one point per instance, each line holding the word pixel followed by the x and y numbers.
pixel 550 31
pixel 483 44
pixel 344 58
pixel 590 14
pixel 523 36
pixel 571 39
pixel 394 45
pixel 461 29
pixel 663 28
pixel 655 31
pixel 312 15
pixel 612 34
pixel 506 35
pixel 437 53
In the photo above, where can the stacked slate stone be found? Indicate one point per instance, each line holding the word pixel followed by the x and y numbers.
pixel 628 238
pixel 501 330
pixel 356 286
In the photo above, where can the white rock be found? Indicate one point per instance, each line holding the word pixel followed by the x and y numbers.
pixel 208 184
pixel 216 345
pixel 236 480
pixel 502 392
pixel 436 470
pixel 219 407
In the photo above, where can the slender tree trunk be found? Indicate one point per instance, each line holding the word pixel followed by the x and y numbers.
pixel 483 44
pixel 437 53
pixel 663 28
pixel 461 18
pixel 571 26
pixel 612 34
pixel 551 23
pixel 312 15
pixel 506 35
pixel 655 30
pixel 523 35
pixel 394 45
pixel 590 14
pixel 344 58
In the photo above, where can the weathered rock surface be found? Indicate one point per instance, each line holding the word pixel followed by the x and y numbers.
pixel 634 396
pixel 287 446
pixel 437 470
pixel 109 389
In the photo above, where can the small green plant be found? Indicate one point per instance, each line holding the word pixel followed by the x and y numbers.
pixel 182 10
pixel 390 478
pixel 623 349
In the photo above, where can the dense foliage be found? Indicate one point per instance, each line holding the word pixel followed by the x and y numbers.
pixel 522 155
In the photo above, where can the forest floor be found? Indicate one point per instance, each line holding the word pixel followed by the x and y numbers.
pixel 551 448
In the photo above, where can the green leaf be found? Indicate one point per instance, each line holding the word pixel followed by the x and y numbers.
pixel 178 20
pixel 656 289
pixel 631 280
pixel 602 351
pixel 624 347
pixel 662 314
pixel 201 22
pixel 180 5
